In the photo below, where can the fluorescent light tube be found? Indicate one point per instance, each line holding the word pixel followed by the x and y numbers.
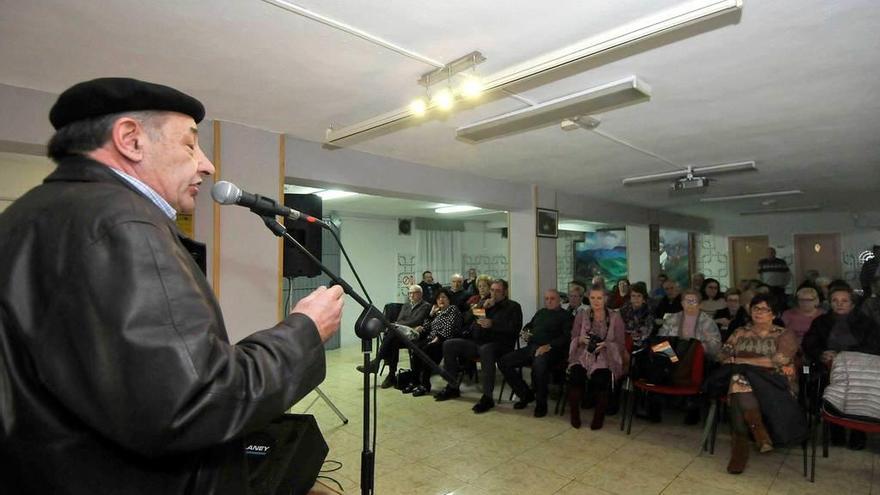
pixel 781 210
pixel 769 194
pixel 455 209
pixel 335 194
pixel 589 101
pixel 695 171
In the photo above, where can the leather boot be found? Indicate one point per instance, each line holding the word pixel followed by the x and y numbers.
pixel 599 411
pixel 739 453
pixel 575 394
pixel 756 426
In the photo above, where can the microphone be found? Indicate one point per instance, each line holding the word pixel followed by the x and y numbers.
pixel 227 193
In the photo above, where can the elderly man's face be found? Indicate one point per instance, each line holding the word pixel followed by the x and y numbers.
pixel 457 283
pixel 174 165
pixel 552 300
pixel 415 296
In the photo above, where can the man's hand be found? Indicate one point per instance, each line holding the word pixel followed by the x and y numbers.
pixel 542 350
pixel 324 307
pixel 485 322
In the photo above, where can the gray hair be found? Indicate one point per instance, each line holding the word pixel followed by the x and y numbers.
pixel 416 288
pixel 83 136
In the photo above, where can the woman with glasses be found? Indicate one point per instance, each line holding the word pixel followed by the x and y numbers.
pixel 799 319
pixel 712 297
pixel 763 345
pixel 443 323
pixel 692 323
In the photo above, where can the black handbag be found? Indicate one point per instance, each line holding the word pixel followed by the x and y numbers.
pixel 405 378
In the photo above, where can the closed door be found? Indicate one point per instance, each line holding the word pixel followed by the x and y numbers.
pixel 820 252
pixel 745 252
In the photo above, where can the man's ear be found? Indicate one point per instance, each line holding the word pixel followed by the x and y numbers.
pixel 128 137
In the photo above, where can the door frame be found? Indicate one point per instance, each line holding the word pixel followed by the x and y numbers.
pixel 734 282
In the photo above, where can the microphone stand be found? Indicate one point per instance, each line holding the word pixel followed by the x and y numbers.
pixel 368 326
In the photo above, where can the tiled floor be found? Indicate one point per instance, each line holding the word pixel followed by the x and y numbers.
pixel 428 447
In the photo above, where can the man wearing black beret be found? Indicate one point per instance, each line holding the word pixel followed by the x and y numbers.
pixel 116 371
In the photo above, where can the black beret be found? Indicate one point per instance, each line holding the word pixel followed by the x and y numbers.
pixel 109 95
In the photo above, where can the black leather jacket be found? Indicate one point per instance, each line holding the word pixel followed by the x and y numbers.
pixel 116 373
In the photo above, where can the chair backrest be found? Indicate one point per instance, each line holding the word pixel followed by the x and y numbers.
pixel 392 311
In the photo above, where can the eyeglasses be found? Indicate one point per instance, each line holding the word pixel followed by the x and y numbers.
pixel 761 309
pixel 692 302
pixel 806 299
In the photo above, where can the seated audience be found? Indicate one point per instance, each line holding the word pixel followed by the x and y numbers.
pixel 575 299
pixel 595 357
pixel 659 292
pixel 620 294
pixel 713 298
pixel 822 285
pixel 734 311
pixel 470 283
pixel 458 294
pixel 546 337
pixel 483 294
pixel 412 314
pixel 442 324
pixel 691 323
pixel 429 287
pixel 698 280
pixel 490 336
pixel 871 305
pixel 799 318
pixel 766 347
pixel 638 322
pixel 668 304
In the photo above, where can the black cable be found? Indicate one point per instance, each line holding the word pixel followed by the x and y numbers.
pixel 333 480
pixel 337 468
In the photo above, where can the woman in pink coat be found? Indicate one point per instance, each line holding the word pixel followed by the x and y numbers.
pixel 595 356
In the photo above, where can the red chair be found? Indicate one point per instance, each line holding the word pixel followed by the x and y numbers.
pixel 692 388
pixel 829 419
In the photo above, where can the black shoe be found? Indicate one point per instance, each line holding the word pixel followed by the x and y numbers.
pixel 446 394
pixel 420 391
pixel 692 417
pixel 389 381
pixel 484 405
pixel 524 401
pixel 374 367
pixel 540 410
pixel 409 388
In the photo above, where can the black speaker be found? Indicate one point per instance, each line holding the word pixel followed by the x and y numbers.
pixel 504 232
pixel 404 226
pixel 285 458
pixel 309 235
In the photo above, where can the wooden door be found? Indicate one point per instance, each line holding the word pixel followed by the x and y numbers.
pixel 820 252
pixel 745 252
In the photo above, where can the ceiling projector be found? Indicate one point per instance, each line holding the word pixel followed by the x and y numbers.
pixel 690 184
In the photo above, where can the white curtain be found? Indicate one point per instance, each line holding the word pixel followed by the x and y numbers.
pixel 438 251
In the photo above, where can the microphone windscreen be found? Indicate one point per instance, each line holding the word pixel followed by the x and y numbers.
pixel 225 193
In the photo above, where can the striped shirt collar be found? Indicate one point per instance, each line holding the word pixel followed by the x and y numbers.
pixel 151 194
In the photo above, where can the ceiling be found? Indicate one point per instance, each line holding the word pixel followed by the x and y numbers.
pixel 791 84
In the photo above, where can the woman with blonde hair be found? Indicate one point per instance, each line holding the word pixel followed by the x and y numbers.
pixel 799 319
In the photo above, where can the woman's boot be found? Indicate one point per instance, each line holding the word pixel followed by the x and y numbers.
pixel 739 453
pixel 575 393
pixel 756 426
pixel 599 411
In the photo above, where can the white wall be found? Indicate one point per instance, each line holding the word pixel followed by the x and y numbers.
pixel 638 254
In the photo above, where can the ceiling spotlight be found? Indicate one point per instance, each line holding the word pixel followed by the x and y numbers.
pixel 418 107
pixel 471 87
pixel 443 99
pixel 455 209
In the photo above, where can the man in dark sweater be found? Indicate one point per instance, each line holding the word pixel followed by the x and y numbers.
pixel 429 287
pixel 492 335
pixel 412 314
pixel 547 336
pixel 460 295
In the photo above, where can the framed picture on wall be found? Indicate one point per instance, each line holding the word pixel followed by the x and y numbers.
pixel 548 222
pixel 601 253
